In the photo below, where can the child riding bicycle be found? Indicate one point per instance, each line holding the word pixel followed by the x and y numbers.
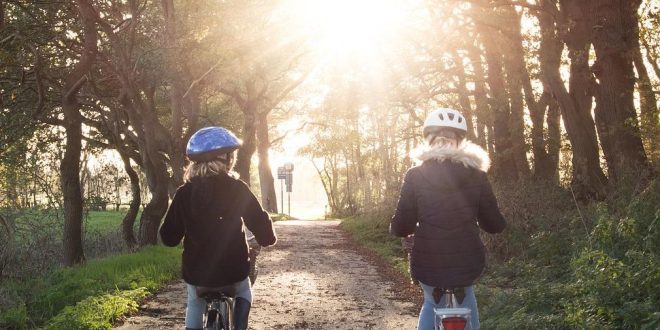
pixel 209 212
pixel 443 203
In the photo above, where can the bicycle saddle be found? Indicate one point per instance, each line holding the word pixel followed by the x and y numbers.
pixel 216 293
pixel 459 293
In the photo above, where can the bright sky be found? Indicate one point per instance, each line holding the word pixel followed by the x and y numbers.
pixel 362 30
pixel 354 31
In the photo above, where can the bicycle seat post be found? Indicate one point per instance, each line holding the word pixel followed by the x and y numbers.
pixel 452 300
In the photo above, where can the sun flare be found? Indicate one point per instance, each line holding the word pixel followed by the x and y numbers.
pixel 353 28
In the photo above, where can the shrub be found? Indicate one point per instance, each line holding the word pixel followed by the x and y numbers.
pixel 618 275
pixel 98 312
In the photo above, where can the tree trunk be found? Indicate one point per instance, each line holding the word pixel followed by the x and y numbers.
pixel 129 219
pixel 244 158
pixel 553 141
pixel 504 162
pixel 647 99
pixel 463 96
pixel 176 77
pixel 542 170
pixel 155 170
pixel 266 180
pixel 70 181
pixel 325 181
pixel 2 15
pixel 155 141
pixel 588 180
pixel 648 105
pixel 70 165
pixel 651 56
pixel 480 96
pixel 614 35
pixel 490 143
pixel 514 62
pixel 177 154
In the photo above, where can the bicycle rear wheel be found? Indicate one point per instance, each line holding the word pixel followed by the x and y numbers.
pixel 212 320
pixel 227 315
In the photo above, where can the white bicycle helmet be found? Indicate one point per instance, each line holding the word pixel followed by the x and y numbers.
pixel 445 118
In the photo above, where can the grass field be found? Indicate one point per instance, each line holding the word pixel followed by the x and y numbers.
pixel 106 221
pixel 113 284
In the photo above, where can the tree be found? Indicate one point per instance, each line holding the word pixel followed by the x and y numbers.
pixel 70 165
pixel 588 179
pixel 648 102
pixel 261 77
pixel 614 26
pixel 504 164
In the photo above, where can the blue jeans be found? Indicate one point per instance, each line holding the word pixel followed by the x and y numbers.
pixel 426 315
pixel 196 306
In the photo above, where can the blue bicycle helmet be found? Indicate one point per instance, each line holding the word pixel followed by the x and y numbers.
pixel 211 142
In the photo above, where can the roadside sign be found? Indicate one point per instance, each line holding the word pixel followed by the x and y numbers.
pixel 285 173
pixel 289 182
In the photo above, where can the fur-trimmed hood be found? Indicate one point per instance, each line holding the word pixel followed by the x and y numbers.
pixel 467 153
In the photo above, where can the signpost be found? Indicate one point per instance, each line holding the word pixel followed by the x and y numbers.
pixel 285 173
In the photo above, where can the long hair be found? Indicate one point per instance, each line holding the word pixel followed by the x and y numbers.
pixel 222 164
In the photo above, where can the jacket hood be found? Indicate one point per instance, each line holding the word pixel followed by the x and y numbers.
pixel 467 153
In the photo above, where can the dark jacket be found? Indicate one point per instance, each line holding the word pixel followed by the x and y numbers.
pixel 210 212
pixel 443 202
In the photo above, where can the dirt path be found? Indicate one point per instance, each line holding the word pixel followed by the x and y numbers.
pixel 312 279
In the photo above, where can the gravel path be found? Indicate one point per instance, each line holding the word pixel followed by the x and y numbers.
pixel 314 278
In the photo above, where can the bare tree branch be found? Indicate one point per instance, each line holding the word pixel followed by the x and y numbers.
pixel 200 79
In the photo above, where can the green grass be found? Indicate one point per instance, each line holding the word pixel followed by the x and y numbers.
pixel 106 221
pixel 101 222
pixel 372 231
pixel 109 283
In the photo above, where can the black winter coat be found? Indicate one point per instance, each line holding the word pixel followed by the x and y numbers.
pixel 443 202
pixel 210 212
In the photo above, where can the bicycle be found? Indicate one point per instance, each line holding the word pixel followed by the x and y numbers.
pixel 219 314
pixel 451 317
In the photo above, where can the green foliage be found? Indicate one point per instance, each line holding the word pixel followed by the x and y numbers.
pixel 542 222
pixel 372 231
pixel 98 312
pixel 567 280
pixel 536 305
pixel 618 275
pixel 15 317
pixel 47 296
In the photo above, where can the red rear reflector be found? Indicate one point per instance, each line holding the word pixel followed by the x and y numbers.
pixel 454 323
